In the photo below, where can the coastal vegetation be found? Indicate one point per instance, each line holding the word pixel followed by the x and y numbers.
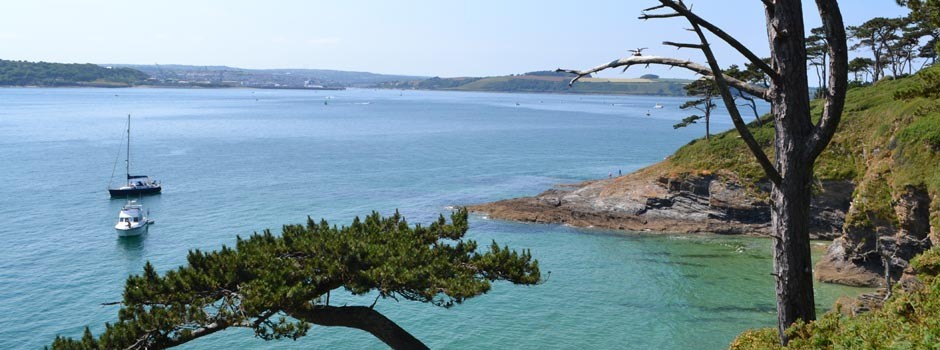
pixel 278 286
pixel 888 140
pixel 909 319
pixel 22 73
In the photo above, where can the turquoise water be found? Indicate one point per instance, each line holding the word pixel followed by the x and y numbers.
pixel 238 161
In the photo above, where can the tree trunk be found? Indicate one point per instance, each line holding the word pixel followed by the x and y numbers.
pixel 878 71
pixel 793 161
pixel 360 317
pixel 707 124
pixel 792 262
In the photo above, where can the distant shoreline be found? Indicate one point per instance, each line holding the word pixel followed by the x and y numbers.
pixel 194 87
pixel 592 93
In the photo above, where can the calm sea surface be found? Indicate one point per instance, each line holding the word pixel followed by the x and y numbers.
pixel 238 161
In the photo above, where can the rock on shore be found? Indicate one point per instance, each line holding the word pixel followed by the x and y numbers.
pixel 681 203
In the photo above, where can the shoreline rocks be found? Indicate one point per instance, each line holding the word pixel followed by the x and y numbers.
pixel 721 203
pixel 683 203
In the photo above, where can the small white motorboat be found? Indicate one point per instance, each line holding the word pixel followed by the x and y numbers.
pixel 658 106
pixel 131 220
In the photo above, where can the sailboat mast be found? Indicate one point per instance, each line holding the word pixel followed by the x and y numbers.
pixel 127 162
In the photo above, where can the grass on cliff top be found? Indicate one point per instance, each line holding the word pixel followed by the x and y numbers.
pixel 889 138
pixel 909 320
pixel 872 119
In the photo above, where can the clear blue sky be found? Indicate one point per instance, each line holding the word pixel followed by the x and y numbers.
pixel 425 37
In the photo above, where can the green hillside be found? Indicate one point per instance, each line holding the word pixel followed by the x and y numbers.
pixel 888 139
pixel 888 143
pixel 22 73
pixel 544 82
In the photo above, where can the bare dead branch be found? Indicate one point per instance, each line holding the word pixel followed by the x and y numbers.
pixel 683 45
pixel 654 8
pixel 627 62
pixel 695 19
pixel 838 78
pixel 647 16
pixel 728 99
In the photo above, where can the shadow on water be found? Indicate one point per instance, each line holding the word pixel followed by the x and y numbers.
pixel 131 248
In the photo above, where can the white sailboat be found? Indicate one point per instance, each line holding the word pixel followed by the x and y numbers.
pixel 132 221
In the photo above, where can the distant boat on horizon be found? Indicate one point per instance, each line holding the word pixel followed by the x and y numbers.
pixel 136 184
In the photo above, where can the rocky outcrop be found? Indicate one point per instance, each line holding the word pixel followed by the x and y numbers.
pixel 861 256
pixel 683 203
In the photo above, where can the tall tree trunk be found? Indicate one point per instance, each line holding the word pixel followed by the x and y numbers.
pixel 791 196
pixel 878 71
pixel 792 262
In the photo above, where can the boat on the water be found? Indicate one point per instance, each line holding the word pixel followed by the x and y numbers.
pixel 136 184
pixel 132 221
pixel 658 106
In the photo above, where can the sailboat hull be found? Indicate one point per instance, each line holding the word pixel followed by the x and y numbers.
pixel 134 191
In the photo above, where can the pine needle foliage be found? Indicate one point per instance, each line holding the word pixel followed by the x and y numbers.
pixel 279 285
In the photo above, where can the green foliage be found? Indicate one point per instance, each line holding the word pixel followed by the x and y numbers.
pixel 687 121
pixel 724 151
pixel 925 10
pixel 266 280
pixel 927 265
pixel 927 86
pixel 757 339
pixel 909 320
pixel 925 130
pixel 871 120
pixel 22 73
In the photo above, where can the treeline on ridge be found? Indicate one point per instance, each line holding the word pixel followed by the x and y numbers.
pixel 23 73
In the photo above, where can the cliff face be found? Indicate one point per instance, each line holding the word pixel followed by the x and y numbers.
pixel 877 189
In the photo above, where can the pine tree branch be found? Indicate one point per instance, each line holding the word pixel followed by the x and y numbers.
pixel 359 317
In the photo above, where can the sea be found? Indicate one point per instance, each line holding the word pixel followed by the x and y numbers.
pixel 238 161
